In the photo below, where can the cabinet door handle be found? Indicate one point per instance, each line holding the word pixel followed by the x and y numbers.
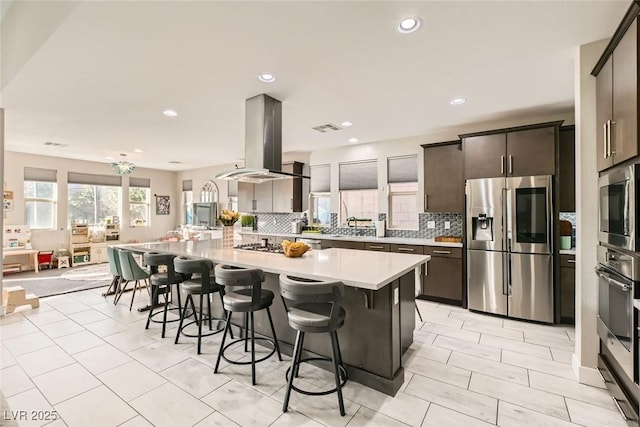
pixel 611 122
pixel 442 252
pixel 376 247
pixel 291 205
pixel 604 139
pixel 571 261
pixel 426 202
pixel 510 164
pixel 502 165
pixel 406 249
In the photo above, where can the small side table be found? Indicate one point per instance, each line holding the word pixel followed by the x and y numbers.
pixel 63 262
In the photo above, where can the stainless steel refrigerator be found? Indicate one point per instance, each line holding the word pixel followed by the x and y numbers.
pixel 509 246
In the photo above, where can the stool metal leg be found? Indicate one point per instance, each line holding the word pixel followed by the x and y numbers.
pixel 201 320
pixel 154 301
pixel 182 316
pixel 296 371
pixel 275 338
pixel 227 327
pixel 135 286
pixel 246 332
pixel 418 311
pixel 167 289
pixel 336 357
pixel 297 349
pixel 253 352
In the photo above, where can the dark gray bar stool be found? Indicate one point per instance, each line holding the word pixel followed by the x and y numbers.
pixel 243 293
pixel 162 283
pixel 314 307
pixel 202 283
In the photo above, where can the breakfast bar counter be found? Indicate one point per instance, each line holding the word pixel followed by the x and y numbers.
pixel 379 301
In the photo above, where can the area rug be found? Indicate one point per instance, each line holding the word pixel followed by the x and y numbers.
pixel 45 284
pixel 91 272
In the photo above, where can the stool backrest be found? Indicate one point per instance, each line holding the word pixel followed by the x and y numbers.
pixel 156 259
pixel 298 290
pixel 202 266
pixel 130 268
pixel 114 261
pixel 231 277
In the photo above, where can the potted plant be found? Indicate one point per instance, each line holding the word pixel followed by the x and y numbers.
pixel 247 222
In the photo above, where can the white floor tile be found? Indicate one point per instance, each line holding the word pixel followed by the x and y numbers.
pixel 593 416
pixel 455 398
pixel 16 329
pixel 98 407
pixel 158 357
pixel 439 416
pixel 490 329
pixel 441 318
pixel 66 382
pixel 429 352
pixel 562 356
pixel 6 359
pixel 168 405
pixel 537 400
pixel 42 318
pixel 72 307
pixel 14 380
pixel 138 421
pixel 27 343
pixel 520 347
pixel 218 420
pixel 537 364
pixel 557 331
pixel 87 316
pixel 446 331
pixel 489 367
pixel 510 415
pixel 131 380
pixel 57 300
pixel 30 408
pixel 449 374
pixel 101 358
pixel 195 377
pixel 107 327
pixel 79 341
pixel 558 343
pixel 474 349
pixel 45 360
pixel 571 388
pixel 61 328
pixel 12 318
pixel 90 298
pixel 129 340
pixel 367 417
pixel 469 316
pixel 292 418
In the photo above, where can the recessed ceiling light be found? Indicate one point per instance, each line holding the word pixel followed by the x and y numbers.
pixel 137 150
pixel 170 113
pixel 266 77
pixel 346 124
pixel 409 25
pixel 457 101
pixel 353 139
pixel 109 158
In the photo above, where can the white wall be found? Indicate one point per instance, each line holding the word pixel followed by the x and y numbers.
pixel 585 356
pixel 162 183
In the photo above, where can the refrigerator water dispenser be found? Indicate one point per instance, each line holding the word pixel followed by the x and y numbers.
pixel 482 227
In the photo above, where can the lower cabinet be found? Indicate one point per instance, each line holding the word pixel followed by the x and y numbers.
pixel 98 253
pixel 567 288
pixel 344 244
pixel 443 277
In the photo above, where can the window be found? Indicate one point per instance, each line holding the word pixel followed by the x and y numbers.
pixel 187 200
pixel 403 192
pixel 358 183
pixel 93 198
pixel 139 201
pixel 320 195
pixel 40 198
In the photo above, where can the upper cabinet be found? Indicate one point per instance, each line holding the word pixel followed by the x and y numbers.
pixel 567 170
pixel 443 177
pixel 279 195
pixel 522 151
pixel 617 98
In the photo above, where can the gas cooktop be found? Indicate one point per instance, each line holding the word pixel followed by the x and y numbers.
pixel 259 247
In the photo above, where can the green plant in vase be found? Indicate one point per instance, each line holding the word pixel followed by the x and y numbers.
pixel 247 221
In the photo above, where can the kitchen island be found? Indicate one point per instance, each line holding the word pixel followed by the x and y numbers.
pixel 379 300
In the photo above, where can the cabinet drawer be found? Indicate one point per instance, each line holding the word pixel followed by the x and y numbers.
pixel 407 249
pixel 385 247
pixel 568 261
pixel 345 244
pixel 443 251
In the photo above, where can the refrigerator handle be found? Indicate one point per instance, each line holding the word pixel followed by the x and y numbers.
pixel 509 234
pixel 506 282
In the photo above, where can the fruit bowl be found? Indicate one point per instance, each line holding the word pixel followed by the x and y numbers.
pixel 294 249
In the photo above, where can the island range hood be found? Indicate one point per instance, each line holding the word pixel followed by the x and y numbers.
pixel 263 143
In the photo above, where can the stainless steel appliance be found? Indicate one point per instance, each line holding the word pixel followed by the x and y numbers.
pixel 509 246
pixel 618 274
pixel 261 247
pixel 618 218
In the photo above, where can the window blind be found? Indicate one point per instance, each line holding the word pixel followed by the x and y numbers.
pixel 361 175
pixel 187 185
pixel 320 179
pixel 41 175
pixel 402 169
pixel 139 182
pixel 90 179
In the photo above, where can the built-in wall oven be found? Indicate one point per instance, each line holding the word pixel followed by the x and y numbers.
pixel 618 285
pixel 618 205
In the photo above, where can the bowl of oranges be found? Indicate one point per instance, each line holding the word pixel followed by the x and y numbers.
pixel 294 249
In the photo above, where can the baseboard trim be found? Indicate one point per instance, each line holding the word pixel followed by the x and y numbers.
pixel 587 375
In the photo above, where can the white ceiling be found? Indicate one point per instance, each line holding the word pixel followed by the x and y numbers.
pixel 97 75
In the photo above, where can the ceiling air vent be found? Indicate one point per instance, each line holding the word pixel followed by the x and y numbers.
pixel 175 162
pixel 329 127
pixel 55 144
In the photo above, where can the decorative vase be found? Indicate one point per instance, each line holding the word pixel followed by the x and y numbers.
pixel 227 236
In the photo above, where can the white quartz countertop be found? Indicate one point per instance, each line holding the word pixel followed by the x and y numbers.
pixel 568 251
pixel 360 269
pixel 394 240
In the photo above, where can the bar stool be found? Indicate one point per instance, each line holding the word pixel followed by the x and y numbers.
pixel 314 307
pixel 244 294
pixel 131 271
pixel 161 283
pixel 202 283
pixel 115 270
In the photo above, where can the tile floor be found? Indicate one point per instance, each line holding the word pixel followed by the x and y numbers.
pixel 94 364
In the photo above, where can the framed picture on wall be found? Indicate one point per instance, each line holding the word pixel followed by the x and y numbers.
pixel 7 199
pixel 162 205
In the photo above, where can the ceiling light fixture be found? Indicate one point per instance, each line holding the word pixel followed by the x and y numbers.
pixel 170 113
pixel 346 124
pixel 409 25
pixel 123 167
pixel 353 139
pixel 137 150
pixel 266 77
pixel 457 101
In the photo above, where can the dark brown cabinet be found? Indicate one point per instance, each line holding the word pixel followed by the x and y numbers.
pixel 382 247
pixel 443 177
pixel 617 101
pixel 443 279
pixel 567 170
pixel 344 244
pixel 567 288
pixel 522 151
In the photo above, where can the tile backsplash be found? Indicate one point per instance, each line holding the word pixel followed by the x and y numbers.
pixel 269 222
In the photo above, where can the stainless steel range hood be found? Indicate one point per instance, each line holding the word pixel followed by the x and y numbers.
pixel 263 143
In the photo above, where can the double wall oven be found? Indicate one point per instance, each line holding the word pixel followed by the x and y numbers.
pixel 618 273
